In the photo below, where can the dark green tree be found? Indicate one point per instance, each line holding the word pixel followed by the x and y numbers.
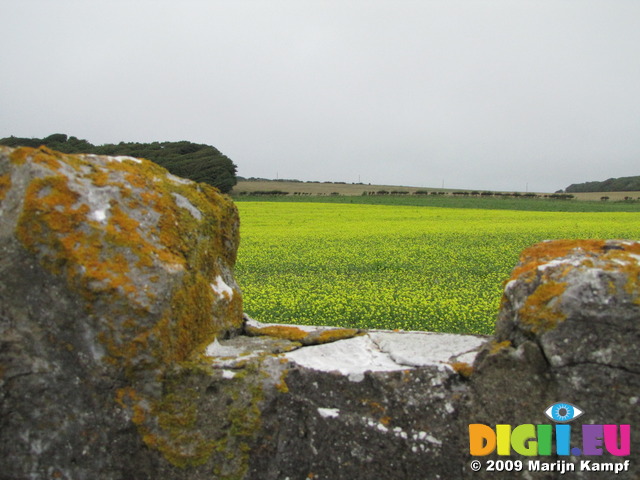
pixel 197 162
pixel 622 184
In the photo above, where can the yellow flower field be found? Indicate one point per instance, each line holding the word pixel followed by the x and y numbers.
pixel 394 267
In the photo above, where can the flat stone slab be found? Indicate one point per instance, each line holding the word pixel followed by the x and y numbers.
pixel 382 351
pixel 359 353
pixel 235 352
pixel 420 349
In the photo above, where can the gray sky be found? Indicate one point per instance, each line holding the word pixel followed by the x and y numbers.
pixel 486 94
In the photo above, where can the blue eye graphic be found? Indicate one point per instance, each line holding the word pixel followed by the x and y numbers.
pixel 563 412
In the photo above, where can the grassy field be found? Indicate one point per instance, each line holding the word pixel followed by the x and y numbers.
pixel 393 266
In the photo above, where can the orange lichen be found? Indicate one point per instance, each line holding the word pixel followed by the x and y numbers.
pixel 176 436
pixel 5 185
pixel 192 312
pixel 49 210
pixel 375 406
pixel 296 334
pixel 128 398
pixel 50 206
pixel 285 332
pixel 333 335
pixel 498 346
pixel 20 155
pixel 462 368
pixel 100 178
pixel 135 179
pixel 122 227
pixel 139 415
pixel 118 258
pixel 541 253
pixel 539 310
pixel 55 222
pixel 45 156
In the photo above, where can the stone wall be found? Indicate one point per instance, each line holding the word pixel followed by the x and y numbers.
pixel 124 353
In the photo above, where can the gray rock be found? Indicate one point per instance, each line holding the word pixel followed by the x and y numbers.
pixel 109 280
pixel 124 354
pixel 567 331
pixel 377 405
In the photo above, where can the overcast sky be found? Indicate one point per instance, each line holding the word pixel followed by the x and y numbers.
pixel 483 94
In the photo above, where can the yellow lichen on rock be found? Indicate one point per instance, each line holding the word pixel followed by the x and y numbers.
pixel 76 219
pixel 5 185
pixel 540 310
pixel 305 336
pixel 496 347
pixel 52 219
pixel 334 334
pixel 551 267
pixel 142 251
pixel 19 155
pixel 544 252
pixel 286 332
pixel 462 368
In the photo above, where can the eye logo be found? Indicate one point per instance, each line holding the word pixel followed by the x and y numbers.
pixel 563 412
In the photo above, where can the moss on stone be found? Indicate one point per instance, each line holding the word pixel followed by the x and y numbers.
pixel 170 424
pixel 191 307
pixel 282 386
pixel 242 397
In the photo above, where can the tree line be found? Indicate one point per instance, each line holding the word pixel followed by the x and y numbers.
pixel 622 184
pixel 197 162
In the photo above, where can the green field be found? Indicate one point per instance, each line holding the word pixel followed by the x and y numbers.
pixel 395 266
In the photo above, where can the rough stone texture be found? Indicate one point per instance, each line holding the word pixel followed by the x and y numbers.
pixel 568 330
pixel 112 273
pixel 124 354
pixel 377 405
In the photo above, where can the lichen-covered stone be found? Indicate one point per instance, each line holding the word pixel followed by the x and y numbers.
pixel 113 273
pixel 124 354
pixel 300 333
pixel 580 300
pixel 568 330
pixel 379 404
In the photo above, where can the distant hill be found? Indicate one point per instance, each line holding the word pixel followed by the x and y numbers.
pixel 198 162
pixel 622 184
